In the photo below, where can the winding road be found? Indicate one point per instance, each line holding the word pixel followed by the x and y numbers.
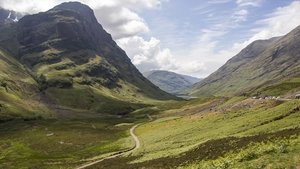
pixel 117 154
pixel 135 138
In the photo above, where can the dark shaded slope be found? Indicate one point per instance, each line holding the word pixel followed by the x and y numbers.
pixel 75 62
pixel 9 16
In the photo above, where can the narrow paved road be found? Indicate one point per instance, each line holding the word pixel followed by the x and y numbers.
pixel 117 154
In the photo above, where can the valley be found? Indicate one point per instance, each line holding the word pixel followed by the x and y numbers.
pixel 70 97
pixel 208 132
pixel 223 136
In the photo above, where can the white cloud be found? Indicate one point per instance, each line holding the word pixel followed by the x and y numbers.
pixel 278 23
pixel 204 57
pixel 121 22
pixel 218 1
pixel 208 35
pixel 148 55
pixel 200 57
pixel 240 15
pixel 254 3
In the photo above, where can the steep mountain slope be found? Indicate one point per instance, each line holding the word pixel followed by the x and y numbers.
pixel 262 63
pixel 75 63
pixel 8 16
pixel 169 81
pixel 16 90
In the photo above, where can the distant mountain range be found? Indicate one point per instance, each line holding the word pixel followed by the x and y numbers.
pixel 258 67
pixel 64 58
pixel 169 81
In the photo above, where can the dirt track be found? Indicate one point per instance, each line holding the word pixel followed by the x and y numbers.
pixel 117 154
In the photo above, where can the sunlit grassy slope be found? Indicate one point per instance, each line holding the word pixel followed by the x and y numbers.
pixel 59 126
pixel 17 87
pixel 263 62
pixel 219 133
pixel 289 86
pixel 171 136
pixel 278 153
pixel 38 92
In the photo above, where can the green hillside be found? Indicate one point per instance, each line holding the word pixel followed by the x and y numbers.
pixel 68 61
pixel 220 132
pixel 67 91
pixel 71 98
pixel 264 62
pixel 169 81
pixel 18 90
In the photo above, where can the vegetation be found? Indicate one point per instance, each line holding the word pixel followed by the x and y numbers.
pixel 281 88
pixel 264 62
pixel 203 137
pixel 271 154
pixel 173 136
pixel 71 95
pixel 56 143
pixel 169 81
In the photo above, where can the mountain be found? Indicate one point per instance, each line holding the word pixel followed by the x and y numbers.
pixel 169 81
pixel 64 58
pixel 8 16
pixel 262 64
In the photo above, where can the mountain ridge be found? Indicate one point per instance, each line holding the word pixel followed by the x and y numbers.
pixel 9 16
pixel 261 61
pixel 75 63
pixel 170 82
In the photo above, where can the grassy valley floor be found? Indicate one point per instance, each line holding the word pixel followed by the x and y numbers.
pixel 215 133
pixel 218 133
pixel 61 143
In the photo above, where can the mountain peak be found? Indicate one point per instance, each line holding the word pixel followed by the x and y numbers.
pixel 67 45
pixel 170 82
pixel 69 26
pixel 9 16
pixel 76 7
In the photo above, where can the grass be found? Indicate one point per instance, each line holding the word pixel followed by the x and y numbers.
pixel 282 153
pixel 16 91
pixel 185 133
pixel 89 98
pixel 176 137
pixel 281 88
pixel 170 137
pixel 266 134
pixel 54 143
pixel 63 127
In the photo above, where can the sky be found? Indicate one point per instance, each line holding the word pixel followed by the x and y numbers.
pixel 193 37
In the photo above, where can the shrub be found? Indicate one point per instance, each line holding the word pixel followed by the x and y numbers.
pixel 3 84
pixel 59 82
pixel 62 82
